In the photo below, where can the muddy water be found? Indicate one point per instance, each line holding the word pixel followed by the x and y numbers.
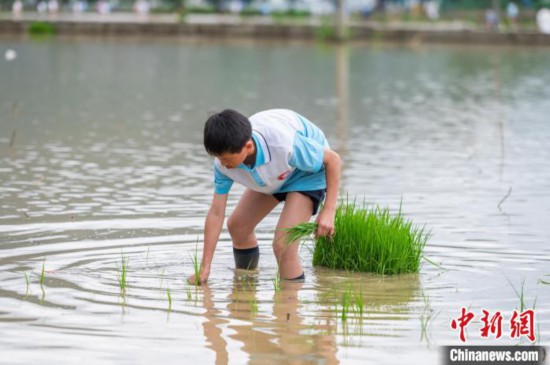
pixel 101 157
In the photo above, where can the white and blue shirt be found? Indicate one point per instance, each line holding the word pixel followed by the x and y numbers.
pixel 289 156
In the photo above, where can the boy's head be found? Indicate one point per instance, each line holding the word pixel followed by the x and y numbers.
pixel 228 136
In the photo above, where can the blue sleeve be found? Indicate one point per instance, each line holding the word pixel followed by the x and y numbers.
pixel 222 183
pixel 307 154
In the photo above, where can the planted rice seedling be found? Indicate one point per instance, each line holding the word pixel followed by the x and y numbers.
pixel 277 282
pixel 346 304
pixel 162 278
pixel 28 281
pixel 196 264
pixel 254 306
pixel 368 239
pixel 426 319
pixel 42 275
pixel 521 296
pixel 359 303
pixel 169 299
pixel 122 273
pixel 188 291
pixel 42 279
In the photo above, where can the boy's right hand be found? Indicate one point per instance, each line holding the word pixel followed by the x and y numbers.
pixel 202 280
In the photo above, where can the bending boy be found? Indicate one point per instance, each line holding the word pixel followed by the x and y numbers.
pixel 278 155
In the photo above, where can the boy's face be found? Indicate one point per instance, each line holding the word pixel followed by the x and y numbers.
pixel 232 160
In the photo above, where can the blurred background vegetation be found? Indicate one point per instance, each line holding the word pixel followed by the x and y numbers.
pixel 379 10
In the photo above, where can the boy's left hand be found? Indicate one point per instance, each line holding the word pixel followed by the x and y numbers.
pixel 325 221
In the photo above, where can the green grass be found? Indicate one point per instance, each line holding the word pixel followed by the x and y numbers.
pixel 122 273
pixel 325 31
pixel 366 239
pixel 42 29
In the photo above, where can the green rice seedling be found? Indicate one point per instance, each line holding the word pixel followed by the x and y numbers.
pixel 277 282
pixel 42 279
pixel 196 264
pixel 28 281
pixel 522 304
pixel 122 273
pixel 366 239
pixel 359 303
pixel 543 282
pixel 520 294
pixel 188 291
pixel 300 231
pixel 346 304
pixel 162 278
pixel 254 306
pixel 42 274
pixel 426 318
pixel 169 299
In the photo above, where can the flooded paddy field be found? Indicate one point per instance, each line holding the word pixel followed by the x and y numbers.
pixel 101 163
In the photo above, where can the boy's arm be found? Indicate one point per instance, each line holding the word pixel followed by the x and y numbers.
pixel 325 220
pixel 212 228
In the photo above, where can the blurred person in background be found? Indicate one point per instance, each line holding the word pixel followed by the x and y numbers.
pixel 512 12
pixel 53 7
pixel 17 9
pixel 142 8
pixel 543 20
pixel 42 7
pixel 103 7
pixel 431 9
pixel 491 20
pixel 79 7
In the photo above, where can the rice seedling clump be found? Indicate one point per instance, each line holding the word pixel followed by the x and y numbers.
pixel 367 239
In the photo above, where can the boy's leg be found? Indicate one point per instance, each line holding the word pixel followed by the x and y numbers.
pixel 297 209
pixel 250 210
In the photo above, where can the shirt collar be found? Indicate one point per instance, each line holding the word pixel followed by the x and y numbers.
pixel 263 155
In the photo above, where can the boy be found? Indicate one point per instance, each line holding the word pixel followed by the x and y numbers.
pixel 279 156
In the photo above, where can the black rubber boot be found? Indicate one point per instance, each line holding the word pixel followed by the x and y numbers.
pixel 247 258
pixel 300 278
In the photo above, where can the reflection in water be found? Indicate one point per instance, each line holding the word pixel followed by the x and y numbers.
pixel 267 336
pixel 381 295
pixel 294 330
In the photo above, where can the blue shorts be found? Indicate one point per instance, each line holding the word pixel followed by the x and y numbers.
pixel 316 196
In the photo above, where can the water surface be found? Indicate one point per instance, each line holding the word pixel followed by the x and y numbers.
pixel 101 156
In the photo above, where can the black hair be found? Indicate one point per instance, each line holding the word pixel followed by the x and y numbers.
pixel 226 132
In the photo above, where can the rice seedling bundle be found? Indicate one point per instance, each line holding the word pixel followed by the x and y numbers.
pixel 367 239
